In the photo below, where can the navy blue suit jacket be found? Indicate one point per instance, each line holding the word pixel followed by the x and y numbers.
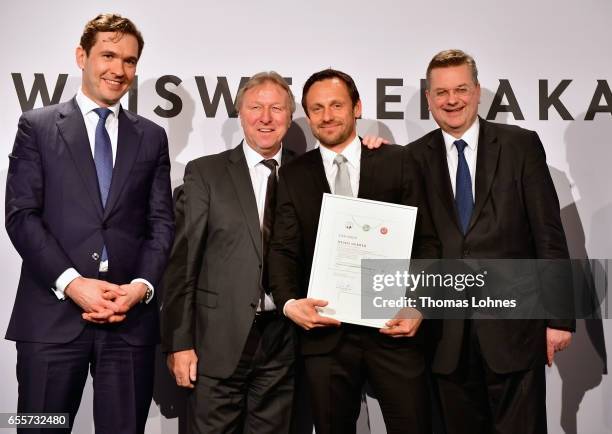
pixel 55 219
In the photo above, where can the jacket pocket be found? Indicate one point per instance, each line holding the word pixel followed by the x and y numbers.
pixel 206 298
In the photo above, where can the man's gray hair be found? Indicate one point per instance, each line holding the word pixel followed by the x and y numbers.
pixel 261 78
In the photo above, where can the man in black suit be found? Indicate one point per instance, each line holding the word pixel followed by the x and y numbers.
pixel 220 326
pixel 93 250
pixel 339 358
pixel 491 197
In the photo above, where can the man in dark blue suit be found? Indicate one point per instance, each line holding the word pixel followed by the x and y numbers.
pixel 89 209
pixel 491 196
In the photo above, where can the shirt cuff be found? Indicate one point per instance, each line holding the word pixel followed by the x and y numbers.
pixel 146 282
pixel 291 300
pixel 63 281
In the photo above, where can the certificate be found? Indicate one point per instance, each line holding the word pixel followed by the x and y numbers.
pixel 352 229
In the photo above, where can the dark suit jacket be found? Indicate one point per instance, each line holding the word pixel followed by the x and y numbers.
pixel 213 281
pixel 386 174
pixel 516 215
pixel 55 219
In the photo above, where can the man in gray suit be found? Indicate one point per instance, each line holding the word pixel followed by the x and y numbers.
pixel 220 327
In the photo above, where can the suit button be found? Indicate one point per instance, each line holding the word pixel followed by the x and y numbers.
pixel 95 256
pixel 260 266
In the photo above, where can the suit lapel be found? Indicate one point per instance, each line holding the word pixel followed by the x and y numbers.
pixel 486 166
pixel 317 171
pixel 287 155
pixel 367 170
pixel 129 139
pixel 71 126
pixel 239 173
pixel 440 178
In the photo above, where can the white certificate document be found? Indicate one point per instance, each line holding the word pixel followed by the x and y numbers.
pixel 352 229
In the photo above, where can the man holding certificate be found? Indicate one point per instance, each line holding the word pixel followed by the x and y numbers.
pixel 340 357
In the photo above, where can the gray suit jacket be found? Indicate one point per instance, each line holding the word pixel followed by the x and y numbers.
pixel 213 282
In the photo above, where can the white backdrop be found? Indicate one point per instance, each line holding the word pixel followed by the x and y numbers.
pixel 520 42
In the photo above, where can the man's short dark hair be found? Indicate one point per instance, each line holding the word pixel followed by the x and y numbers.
pixel 447 58
pixel 109 23
pixel 328 74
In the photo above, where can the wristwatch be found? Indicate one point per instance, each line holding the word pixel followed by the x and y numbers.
pixel 147 295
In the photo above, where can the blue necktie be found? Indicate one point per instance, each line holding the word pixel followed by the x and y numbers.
pixel 463 187
pixel 103 157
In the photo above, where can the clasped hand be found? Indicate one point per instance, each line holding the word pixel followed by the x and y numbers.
pixel 104 302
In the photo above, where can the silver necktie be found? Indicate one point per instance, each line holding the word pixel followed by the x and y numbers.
pixel 342 185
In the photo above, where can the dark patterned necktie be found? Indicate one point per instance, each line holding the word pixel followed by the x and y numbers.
pixel 268 219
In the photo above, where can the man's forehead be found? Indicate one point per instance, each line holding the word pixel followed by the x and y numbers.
pixel 113 37
pixel 333 88
pixel 451 70
pixel 457 75
pixel 332 82
pixel 264 87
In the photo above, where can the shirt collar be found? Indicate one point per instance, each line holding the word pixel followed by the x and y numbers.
pixel 253 158
pixel 87 105
pixel 470 137
pixel 352 153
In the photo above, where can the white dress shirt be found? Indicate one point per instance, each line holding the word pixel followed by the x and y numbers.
pixel 352 153
pixel 259 179
pixel 452 158
pixel 87 106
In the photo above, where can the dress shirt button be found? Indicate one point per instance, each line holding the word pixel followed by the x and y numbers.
pixel 95 256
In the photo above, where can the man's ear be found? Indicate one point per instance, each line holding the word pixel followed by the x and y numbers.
pixel 357 109
pixel 80 56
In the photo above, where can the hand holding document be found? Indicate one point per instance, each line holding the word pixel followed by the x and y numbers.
pixel 352 229
pixel 405 324
pixel 304 313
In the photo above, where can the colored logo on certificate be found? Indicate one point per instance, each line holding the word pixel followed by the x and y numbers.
pixel 384 230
